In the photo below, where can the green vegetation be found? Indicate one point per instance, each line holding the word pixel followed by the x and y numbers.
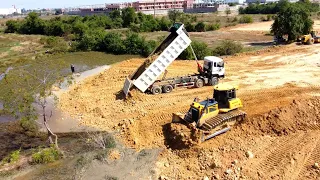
pixel 292 20
pixel 246 19
pixel 46 155
pixel 227 47
pixel 201 50
pixel 273 8
pixel 12 157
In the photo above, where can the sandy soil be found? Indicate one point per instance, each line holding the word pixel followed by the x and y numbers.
pixel 265 26
pixel 282 135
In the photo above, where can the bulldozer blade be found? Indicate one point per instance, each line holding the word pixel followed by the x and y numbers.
pixel 217 133
pixel 177 117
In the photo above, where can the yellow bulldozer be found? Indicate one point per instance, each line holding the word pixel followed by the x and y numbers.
pixel 309 38
pixel 212 116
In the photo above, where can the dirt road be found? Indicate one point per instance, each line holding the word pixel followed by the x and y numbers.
pixel 265 26
pixel 282 135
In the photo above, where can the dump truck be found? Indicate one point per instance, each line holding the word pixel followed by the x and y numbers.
pixel 213 116
pixel 146 77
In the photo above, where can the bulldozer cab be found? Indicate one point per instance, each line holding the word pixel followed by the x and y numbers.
pixel 223 94
pixel 203 109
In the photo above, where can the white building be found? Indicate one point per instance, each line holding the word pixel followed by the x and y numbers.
pixel 7 11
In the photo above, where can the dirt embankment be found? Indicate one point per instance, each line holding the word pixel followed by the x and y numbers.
pixel 268 79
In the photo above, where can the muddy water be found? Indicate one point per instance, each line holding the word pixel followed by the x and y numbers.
pixel 61 121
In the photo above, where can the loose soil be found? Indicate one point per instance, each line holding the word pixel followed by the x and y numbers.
pixel 281 129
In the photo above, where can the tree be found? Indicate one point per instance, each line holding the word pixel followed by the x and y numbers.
pixel 115 14
pixel 128 16
pixel 174 15
pixel 292 20
pixel 227 11
pixel 32 24
pixel 32 86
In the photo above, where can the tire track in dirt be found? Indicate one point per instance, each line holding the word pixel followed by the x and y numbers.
pixel 268 165
pixel 312 156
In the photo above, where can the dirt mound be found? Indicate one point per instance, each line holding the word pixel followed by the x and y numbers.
pixel 180 136
pixel 299 115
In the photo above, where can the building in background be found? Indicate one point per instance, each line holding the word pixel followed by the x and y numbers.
pixel 9 11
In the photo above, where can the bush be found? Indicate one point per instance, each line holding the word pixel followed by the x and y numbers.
pixel 190 27
pixel 227 47
pixel 200 49
pixel 200 27
pixel 246 19
pixel 113 43
pixel 12 157
pixel 28 124
pixel 46 155
pixel 12 26
pixel 55 44
pixel 235 19
pixel 212 27
pixel 164 24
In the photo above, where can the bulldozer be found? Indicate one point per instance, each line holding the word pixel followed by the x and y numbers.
pixel 213 116
pixel 310 38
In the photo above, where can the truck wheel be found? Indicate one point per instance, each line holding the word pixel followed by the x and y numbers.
pixel 199 83
pixel 167 88
pixel 156 90
pixel 214 81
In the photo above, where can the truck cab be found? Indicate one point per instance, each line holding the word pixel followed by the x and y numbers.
pixel 213 68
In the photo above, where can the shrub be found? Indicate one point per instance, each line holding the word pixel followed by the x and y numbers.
pixel 46 155
pixel 200 49
pixel 12 26
pixel 200 27
pixel 164 24
pixel 12 157
pixel 212 27
pixel 190 27
pixel 134 43
pixel 101 140
pixel 246 19
pixel 134 27
pixel 113 43
pixel 28 124
pixel 235 19
pixel 56 44
pixel 227 47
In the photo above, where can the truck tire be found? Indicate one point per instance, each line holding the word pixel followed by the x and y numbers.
pixel 167 88
pixel 199 83
pixel 213 81
pixel 156 90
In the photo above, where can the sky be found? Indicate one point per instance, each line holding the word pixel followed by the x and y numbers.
pixel 34 4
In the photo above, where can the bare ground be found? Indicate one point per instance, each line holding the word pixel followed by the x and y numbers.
pixel 284 144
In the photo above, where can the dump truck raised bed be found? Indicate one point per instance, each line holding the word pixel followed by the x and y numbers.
pixel 145 78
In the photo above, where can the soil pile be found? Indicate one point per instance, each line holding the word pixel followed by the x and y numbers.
pixel 299 115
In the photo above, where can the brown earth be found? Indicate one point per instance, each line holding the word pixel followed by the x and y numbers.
pixel 281 129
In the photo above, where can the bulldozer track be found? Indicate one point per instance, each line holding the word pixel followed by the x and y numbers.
pixel 222 118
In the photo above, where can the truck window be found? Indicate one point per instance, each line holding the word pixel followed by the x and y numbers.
pixel 215 64
pixel 220 64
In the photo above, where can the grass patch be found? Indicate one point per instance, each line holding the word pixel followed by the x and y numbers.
pixel 46 155
pixel 12 157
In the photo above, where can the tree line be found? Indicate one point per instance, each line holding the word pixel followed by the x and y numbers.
pixel 274 7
